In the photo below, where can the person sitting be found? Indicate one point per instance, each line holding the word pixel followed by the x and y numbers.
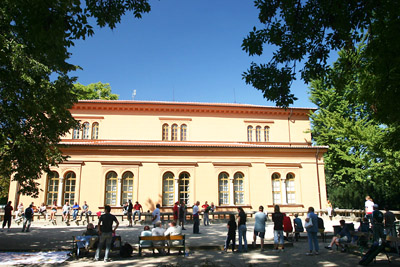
pixel 321 228
pixel 43 210
pixel 86 241
pixel 158 231
pixel 173 229
pixel 90 230
pixel 298 227
pixel 342 237
pixel 75 211
pixel 146 232
pixel 287 226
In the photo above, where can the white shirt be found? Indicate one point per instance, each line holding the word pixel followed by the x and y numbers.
pixel 66 208
pixel 369 205
pixel 173 230
pixel 195 209
pixel 156 213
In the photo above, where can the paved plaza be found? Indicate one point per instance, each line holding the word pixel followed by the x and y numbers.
pixel 203 250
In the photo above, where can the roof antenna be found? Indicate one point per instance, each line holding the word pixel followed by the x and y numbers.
pixel 133 94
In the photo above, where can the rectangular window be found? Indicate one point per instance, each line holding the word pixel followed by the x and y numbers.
pixel 276 191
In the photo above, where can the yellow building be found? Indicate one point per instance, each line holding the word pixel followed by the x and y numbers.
pixel 162 152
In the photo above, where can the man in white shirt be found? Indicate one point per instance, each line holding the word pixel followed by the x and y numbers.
pixel 259 226
pixel 158 231
pixel 196 219
pixel 156 215
pixel 173 230
pixel 66 210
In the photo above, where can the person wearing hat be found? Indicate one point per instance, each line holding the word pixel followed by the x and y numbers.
pixel 377 223
pixel 176 211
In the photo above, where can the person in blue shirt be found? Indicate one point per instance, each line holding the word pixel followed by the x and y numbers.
pixel 298 226
pixel 75 209
pixel 312 232
pixel 342 237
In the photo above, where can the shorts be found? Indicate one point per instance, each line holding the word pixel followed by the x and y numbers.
pixel 260 234
pixel 343 239
pixel 65 212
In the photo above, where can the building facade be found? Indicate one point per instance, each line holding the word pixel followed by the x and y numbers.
pixel 163 152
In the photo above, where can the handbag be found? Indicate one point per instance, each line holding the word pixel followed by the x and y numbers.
pixel 308 224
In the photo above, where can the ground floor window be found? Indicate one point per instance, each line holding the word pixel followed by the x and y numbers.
pixel 111 188
pixel 168 189
pixel 53 180
pixel 184 187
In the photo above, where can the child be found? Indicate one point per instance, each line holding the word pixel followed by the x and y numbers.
pixel 231 236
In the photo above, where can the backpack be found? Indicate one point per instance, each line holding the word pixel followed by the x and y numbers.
pixel 28 213
pixel 126 250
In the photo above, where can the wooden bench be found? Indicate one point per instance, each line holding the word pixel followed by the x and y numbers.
pixel 167 240
pixel 92 244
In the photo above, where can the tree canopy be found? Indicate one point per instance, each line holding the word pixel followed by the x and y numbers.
pixel 94 91
pixel 308 31
pixel 36 90
pixel 358 162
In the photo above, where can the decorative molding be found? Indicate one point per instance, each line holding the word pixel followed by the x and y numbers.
pixel 233 164
pixel 125 163
pixel 287 206
pixel 72 162
pixel 89 117
pixel 296 165
pixel 177 164
pixel 174 119
pixel 258 121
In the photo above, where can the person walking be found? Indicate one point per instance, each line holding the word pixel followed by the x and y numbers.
pixel 156 215
pixel 7 216
pixel 242 229
pixel 312 231
pixel 106 231
pixel 259 226
pixel 28 218
pixel 196 219
pixel 277 218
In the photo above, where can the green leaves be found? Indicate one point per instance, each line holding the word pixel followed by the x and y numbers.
pixel 94 91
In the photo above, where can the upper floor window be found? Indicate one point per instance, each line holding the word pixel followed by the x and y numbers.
pixel 85 131
pixel 266 134
pixel 258 134
pixel 174 132
pixel 76 133
pixel 238 188
pixel 250 133
pixel 183 132
pixel 95 130
pixel 165 132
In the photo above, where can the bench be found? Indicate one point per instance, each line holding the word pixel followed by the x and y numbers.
pixel 93 242
pixel 168 243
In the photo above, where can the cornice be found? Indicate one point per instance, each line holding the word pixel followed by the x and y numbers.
pixel 296 165
pixel 224 164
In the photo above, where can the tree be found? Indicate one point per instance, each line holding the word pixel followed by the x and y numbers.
pixel 308 31
pixel 35 88
pixel 357 162
pixel 94 91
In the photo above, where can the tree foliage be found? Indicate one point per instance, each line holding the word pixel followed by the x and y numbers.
pixel 94 91
pixel 36 90
pixel 358 163
pixel 308 31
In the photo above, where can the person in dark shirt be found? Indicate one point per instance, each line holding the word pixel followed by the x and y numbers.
pixel 342 237
pixel 242 229
pixel 390 219
pixel 377 224
pixel 277 218
pixel 231 236
pixel 106 230
pixel 7 216
pixel 130 208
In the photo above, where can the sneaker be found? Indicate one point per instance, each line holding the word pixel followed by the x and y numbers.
pixel 96 259
pixel 107 260
pixel 316 253
pixel 309 254
pixel 327 247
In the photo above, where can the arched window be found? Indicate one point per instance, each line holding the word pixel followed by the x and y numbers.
pixel 250 133
pixel 69 189
pixel 258 134
pixel 53 180
pixel 165 132
pixel 111 188
pixel 290 189
pixel 266 134
pixel 184 187
pixel 238 188
pixel 168 189
pixel 75 134
pixel 183 132
pixel 223 188
pixel 127 186
pixel 95 130
pixel 85 130
pixel 174 132
pixel 276 188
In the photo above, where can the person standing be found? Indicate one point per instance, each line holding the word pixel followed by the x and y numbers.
pixel 377 224
pixel 390 219
pixel 137 209
pixel 175 211
pixel 242 229
pixel 329 209
pixel 196 219
pixel 312 232
pixel 130 209
pixel 28 218
pixel 259 226
pixel 182 214
pixel 277 218
pixel 156 215
pixel 206 209
pixel 7 216
pixel 231 236
pixel 106 231
pixel 369 208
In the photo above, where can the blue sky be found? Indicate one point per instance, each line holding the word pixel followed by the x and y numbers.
pixel 183 50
